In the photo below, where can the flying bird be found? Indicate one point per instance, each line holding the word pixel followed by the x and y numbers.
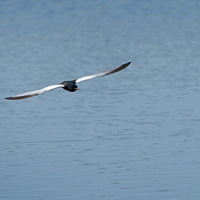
pixel 67 85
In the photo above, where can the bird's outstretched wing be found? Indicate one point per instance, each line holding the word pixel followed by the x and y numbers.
pixel 103 73
pixel 34 93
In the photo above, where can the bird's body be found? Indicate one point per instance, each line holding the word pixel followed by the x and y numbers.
pixel 70 86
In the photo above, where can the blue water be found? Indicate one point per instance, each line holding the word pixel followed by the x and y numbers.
pixel 131 135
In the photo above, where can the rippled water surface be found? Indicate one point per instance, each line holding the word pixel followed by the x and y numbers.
pixel 131 135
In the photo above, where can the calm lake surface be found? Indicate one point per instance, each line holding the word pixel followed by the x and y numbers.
pixel 134 135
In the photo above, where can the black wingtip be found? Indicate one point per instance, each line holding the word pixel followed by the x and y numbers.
pixel 12 98
pixel 8 98
pixel 126 64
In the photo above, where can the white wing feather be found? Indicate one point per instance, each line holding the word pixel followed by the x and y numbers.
pixel 35 92
pixel 90 77
pixel 103 73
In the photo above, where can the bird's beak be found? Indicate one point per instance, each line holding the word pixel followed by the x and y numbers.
pixel 77 89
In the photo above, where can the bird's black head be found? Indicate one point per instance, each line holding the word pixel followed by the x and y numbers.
pixel 70 86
